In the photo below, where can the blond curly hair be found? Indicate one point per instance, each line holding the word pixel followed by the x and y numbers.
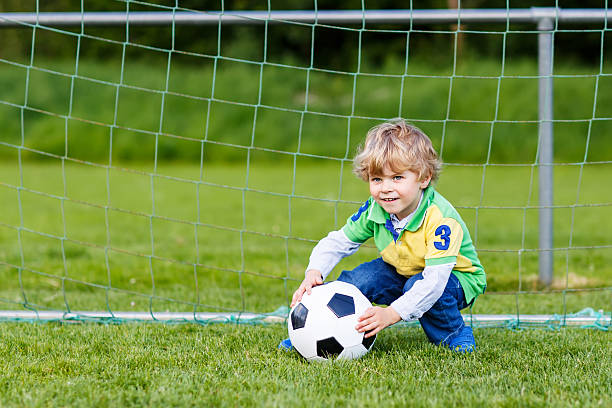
pixel 398 146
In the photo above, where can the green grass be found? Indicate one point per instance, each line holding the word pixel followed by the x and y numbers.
pixel 228 365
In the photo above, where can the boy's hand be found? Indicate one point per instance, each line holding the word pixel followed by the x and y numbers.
pixel 376 318
pixel 313 278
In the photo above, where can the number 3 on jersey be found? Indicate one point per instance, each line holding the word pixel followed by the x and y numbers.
pixel 444 232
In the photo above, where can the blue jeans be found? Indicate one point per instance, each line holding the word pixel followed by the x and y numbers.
pixel 381 284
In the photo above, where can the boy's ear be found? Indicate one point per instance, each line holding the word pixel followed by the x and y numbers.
pixel 425 182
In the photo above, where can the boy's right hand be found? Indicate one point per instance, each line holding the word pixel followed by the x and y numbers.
pixel 313 278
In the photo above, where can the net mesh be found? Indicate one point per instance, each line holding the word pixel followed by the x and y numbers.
pixel 145 173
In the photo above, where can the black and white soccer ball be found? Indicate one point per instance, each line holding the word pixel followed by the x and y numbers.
pixel 322 324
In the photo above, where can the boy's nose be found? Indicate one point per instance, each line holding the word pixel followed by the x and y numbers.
pixel 387 185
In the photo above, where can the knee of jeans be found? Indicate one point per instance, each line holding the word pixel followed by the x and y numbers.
pixel 354 279
pixel 345 276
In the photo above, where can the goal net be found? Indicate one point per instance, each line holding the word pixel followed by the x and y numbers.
pixel 176 171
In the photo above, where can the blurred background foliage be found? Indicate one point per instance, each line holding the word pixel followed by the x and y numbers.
pixel 213 79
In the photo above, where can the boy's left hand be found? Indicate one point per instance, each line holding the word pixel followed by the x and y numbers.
pixel 376 318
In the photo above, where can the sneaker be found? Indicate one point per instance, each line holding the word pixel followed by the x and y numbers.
pixel 464 348
pixel 464 342
pixel 285 345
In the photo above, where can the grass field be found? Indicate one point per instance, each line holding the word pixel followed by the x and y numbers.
pixel 227 365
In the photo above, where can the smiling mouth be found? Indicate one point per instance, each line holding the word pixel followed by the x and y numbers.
pixel 388 199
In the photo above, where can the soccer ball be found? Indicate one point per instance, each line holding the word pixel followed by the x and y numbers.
pixel 322 324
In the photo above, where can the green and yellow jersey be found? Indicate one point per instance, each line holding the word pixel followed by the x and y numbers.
pixel 435 235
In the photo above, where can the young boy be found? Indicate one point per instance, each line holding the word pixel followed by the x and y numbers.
pixel 428 269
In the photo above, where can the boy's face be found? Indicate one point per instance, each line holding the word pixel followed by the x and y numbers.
pixel 397 193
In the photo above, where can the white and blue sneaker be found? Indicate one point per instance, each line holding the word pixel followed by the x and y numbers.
pixel 285 345
pixel 464 342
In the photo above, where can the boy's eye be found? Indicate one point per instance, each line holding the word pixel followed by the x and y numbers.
pixel 376 179
pixel 397 177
